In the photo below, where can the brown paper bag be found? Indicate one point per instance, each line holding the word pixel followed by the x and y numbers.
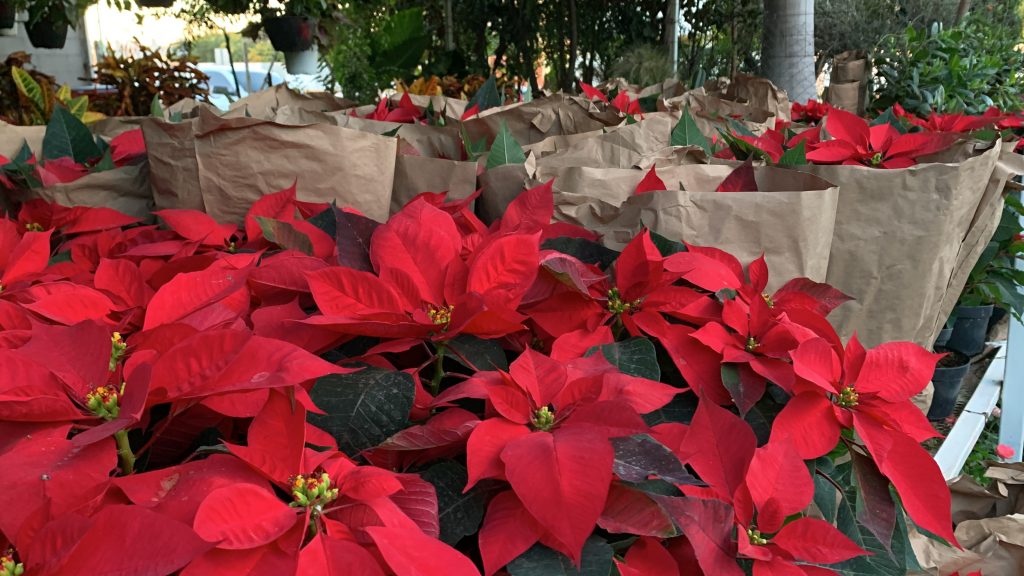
pixel 897 236
pixel 430 141
pixel 500 186
pixel 124 189
pixel 847 96
pixel 264 104
pixel 12 138
pixel 222 165
pixel 453 108
pixel 790 220
pixel 850 66
pixel 760 94
pixel 417 174
pixel 534 121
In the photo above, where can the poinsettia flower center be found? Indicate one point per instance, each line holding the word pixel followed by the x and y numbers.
pixel 543 419
pixel 768 300
pixel 756 538
pixel 616 305
pixel 33 227
pixel 441 316
pixel 103 401
pixel 752 344
pixel 312 491
pixel 8 567
pixel 876 159
pixel 117 348
pixel 848 397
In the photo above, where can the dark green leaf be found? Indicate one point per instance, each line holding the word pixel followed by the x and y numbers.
pixel 794 156
pixel 584 250
pixel 505 149
pixel 478 354
pixel 363 408
pixel 60 257
pixel 474 150
pixel 875 507
pixel 326 221
pixel 665 246
pixel 686 133
pixel 105 163
pixel 459 514
pixel 638 457
pixel 543 561
pixel 486 97
pixel 67 137
pixel 155 109
pixel 681 409
pixel 392 133
pixel 635 356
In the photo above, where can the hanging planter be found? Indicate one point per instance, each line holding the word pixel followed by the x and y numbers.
pixel 155 3
pixel 947 379
pixel 295 36
pixel 49 31
pixel 7 14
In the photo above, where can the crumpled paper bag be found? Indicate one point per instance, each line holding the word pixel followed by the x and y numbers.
pixel 534 121
pixel 222 165
pixel 417 174
pixel 265 103
pixel 790 220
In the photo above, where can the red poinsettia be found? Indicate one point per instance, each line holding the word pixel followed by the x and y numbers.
pixel 869 391
pixel 854 142
pixel 550 441
pixel 811 112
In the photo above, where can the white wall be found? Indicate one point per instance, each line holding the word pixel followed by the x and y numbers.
pixel 68 64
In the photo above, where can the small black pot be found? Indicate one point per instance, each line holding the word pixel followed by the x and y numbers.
pixel 947 382
pixel 970 329
pixel 943 337
pixel 290 33
pixel 50 31
pixel 7 14
pixel 998 313
pixel 155 3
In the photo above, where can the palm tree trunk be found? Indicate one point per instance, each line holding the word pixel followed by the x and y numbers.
pixel 788 53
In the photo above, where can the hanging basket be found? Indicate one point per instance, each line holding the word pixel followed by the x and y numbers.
pixel 290 33
pixel 155 3
pixel 7 14
pixel 51 31
pixel 304 62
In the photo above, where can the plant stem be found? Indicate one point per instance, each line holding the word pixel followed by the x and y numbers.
pixel 435 382
pixel 124 452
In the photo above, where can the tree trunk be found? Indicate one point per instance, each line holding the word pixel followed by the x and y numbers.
pixel 788 47
pixel 672 34
pixel 449 26
pixel 573 42
pixel 961 11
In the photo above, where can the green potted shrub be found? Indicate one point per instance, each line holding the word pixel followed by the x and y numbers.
pixel 994 281
pixel 49 20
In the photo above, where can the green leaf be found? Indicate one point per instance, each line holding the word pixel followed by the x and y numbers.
pixel 665 246
pixel 634 356
pixel 794 156
pixel 681 409
pixel 543 561
pixel 686 133
pixel 474 150
pixel 486 96
pixel 584 250
pixel 67 137
pixel 478 354
pixel 505 149
pixel 78 106
pixel 106 163
pixel 352 234
pixel 392 133
pixel 155 107
pixel 60 257
pixel 459 513
pixel 363 408
pixel 29 88
pixel 327 222
pixel 285 235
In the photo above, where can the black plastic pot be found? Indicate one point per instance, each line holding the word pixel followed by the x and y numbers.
pixel 947 381
pixel 7 14
pixel 50 31
pixel 290 33
pixel 155 3
pixel 943 337
pixel 970 329
pixel 998 313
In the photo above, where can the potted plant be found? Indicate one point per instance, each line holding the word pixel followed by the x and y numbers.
pixel 49 20
pixel 948 377
pixel 994 281
pixel 944 334
pixel 295 30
